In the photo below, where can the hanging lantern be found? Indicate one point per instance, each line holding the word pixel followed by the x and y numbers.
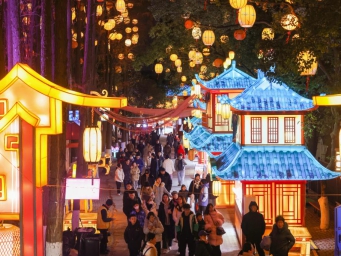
pixel 158 68
pixel 227 63
pixel 112 36
pixel 184 93
pixel 128 30
pixel 307 57
pixel 225 111
pixel 74 44
pixel 218 108
pixel 203 69
pixel 189 24
pixel 216 187
pixel 173 57
pixel 130 5
pixel 120 5
pixel 239 34
pixel 130 56
pixel 197 89
pixel 179 69
pixel 120 56
pixel 289 22
pixel 247 16
pixel 224 39
pixel 196 33
pixel 206 51
pixel 217 63
pixel 231 55
pixel 134 21
pixel 175 101
pixel 192 64
pixel 99 10
pixel 118 69
pixel 92 144
pixel 268 34
pixel 183 79
pixel 208 37
pixel 198 58
pixel 119 36
pixel 238 4
pixel 108 26
pixel 135 29
pixel 127 42
pixel 177 63
pixel 191 54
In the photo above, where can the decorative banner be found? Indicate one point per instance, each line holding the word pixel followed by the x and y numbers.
pixel 82 188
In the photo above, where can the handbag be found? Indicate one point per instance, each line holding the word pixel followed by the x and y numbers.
pixel 265 244
pixel 220 231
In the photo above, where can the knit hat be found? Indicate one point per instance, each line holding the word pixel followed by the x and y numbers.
pixel 109 202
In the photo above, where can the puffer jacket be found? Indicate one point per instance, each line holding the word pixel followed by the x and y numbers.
pixel 159 190
pixel 281 240
pixel 158 228
pixel 213 220
pixel 133 236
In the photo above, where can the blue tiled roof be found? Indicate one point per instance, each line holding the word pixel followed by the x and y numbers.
pixel 199 104
pixel 231 78
pixel 269 163
pixel 203 140
pixel 196 121
pixel 270 96
pixel 181 93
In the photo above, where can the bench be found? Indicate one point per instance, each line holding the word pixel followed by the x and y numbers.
pixel 316 207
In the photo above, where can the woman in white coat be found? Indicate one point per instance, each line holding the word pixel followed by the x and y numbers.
pixel 119 177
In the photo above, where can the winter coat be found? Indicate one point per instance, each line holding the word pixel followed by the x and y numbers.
pixel 149 207
pixel 157 148
pixel 126 170
pixel 195 188
pixel 150 179
pixel 159 190
pixel 203 249
pixel 133 236
pixel 203 197
pixel 135 173
pixel 177 211
pixel 149 252
pixel 169 166
pixel 147 193
pixel 139 163
pixel 119 175
pixel 253 226
pixel 162 217
pixel 140 215
pixel 213 220
pixel 167 150
pixel 181 150
pixel 167 179
pixel 281 240
pixel 153 167
pixel 157 228
pixel 176 164
pixel 192 221
pixel 128 204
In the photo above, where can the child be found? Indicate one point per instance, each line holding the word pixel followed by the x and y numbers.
pixel 183 192
pixel 119 177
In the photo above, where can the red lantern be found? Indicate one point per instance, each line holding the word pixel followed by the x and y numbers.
pixel 217 63
pixel 239 34
pixel 189 24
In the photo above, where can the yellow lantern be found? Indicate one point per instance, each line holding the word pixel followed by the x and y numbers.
pixel 183 79
pixel 99 10
pixel 192 64
pixel 127 42
pixel 305 57
pixel 238 4
pixel 225 111
pixel 185 93
pixel 131 56
pixel 120 56
pixel 175 101
pixel 173 57
pixel 289 22
pixel 179 69
pixel 198 58
pixel 135 29
pixel 268 34
pixel 191 54
pixel 218 108
pixel 231 55
pixel 120 5
pixel 177 63
pixel 119 36
pixel 247 16
pixel 158 68
pixel 128 30
pixel 216 187
pixel 134 21
pixel 108 26
pixel 206 51
pixel 208 37
pixel 92 144
pixel 196 33
pixel 227 63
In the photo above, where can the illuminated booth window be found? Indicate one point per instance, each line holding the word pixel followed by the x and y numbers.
pixel 289 129
pixel 272 129
pixel 3 195
pixel 256 130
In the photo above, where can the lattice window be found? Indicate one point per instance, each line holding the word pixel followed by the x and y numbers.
pixel 219 105
pixel 272 129
pixel 289 202
pixel 256 130
pixel 263 194
pixel 289 129
pixel 3 196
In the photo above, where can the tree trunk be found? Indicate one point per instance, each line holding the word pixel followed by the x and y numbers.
pixel 57 146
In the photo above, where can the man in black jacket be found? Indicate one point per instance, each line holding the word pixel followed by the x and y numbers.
pixel 165 178
pixel 128 203
pixel 253 226
pixel 133 235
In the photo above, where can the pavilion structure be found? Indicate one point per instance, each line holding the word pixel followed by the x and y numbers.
pixel 30 111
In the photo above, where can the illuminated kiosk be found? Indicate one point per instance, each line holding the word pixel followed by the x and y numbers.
pixel 30 110
pixel 216 132
pixel 269 162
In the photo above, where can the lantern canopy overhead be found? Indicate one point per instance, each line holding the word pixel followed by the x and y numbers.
pixel 247 16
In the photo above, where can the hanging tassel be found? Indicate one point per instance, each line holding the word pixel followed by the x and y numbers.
pixel 307 83
pixel 205 5
pixel 288 37
pixel 237 11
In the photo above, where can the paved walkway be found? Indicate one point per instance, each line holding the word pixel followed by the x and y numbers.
pixel 324 240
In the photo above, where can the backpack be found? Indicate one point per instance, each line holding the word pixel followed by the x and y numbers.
pixel 180 165
pixel 266 243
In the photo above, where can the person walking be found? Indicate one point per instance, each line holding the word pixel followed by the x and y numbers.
pixel 103 223
pixel 135 175
pixel 165 216
pixel 153 225
pixel 194 189
pixel 119 177
pixel 185 231
pixel 203 196
pixel 213 220
pixel 168 164
pixel 253 226
pixel 167 150
pixel 179 166
pixel 126 169
pixel 203 248
pixel 133 235
pixel 159 189
pixel 165 178
pixel 281 238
